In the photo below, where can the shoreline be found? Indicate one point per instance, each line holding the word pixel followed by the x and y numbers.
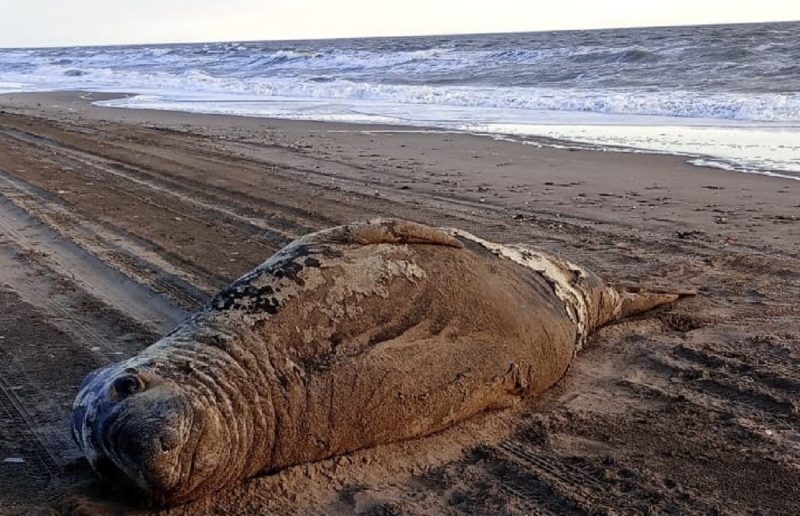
pixel 749 147
pixel 115 223
pixel 511 132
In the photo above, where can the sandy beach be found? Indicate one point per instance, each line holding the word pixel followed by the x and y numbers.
pixel 115 224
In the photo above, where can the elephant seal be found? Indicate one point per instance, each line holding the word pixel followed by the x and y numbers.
pixel 347 338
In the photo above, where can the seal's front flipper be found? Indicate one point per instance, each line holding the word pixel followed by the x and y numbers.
pixel 382 231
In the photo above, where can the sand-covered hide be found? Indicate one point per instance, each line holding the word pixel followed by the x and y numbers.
pixel 348 338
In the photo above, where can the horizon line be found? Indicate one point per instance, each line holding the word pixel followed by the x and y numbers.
pixel 402 36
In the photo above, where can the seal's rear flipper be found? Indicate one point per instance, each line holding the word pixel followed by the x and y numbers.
pixel 634 299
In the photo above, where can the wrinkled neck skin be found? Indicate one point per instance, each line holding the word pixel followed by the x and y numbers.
pixel 184 428
pixel 204 390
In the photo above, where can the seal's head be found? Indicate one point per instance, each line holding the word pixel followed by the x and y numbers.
pixel 141 432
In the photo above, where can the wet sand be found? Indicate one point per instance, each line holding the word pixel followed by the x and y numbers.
pixel 114 224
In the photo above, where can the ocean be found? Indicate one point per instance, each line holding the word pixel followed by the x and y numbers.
pixel 726 96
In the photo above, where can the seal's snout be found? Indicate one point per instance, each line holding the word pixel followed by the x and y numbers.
pixel 132 425
pixel 142 446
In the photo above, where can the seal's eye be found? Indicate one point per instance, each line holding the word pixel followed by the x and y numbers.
pixel 127 385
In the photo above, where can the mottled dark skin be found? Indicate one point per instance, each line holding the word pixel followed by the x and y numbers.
pixel 347 338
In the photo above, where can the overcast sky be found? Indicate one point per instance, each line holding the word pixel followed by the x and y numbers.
pixel 95 22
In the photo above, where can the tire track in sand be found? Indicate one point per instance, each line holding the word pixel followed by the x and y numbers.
pixel 82 312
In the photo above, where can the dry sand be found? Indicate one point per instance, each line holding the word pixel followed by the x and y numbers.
pixel 114 224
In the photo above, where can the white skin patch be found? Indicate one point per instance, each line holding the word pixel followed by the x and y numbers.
pixel 559 273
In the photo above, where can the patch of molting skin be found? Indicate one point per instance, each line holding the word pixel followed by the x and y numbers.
pixel 561 274
pixel 406 269
pixel 367 273
pixel 370 274
pixel 261 292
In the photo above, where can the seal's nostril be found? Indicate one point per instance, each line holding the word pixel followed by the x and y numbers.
pixel 127 385
pixel 169 442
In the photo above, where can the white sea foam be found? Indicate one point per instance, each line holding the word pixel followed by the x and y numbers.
pixel 11 87
pixel 703 162
pixel 771 107
pixel 749 148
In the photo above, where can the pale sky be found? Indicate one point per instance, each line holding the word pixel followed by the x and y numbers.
pixel 26 23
